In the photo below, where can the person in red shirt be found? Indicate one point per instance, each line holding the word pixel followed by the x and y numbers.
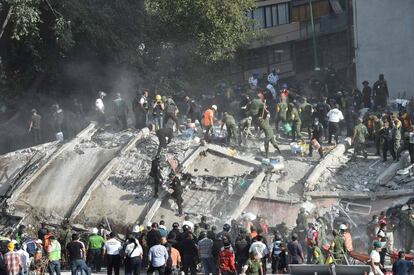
pixel 207 121
pixel 311 235
pixel 227 263
pixel 12 260
pixel 284 93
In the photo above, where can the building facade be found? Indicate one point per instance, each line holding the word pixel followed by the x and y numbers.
pixel 285 37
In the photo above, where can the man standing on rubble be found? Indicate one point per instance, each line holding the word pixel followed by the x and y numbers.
pixel 380 93
pixel 177 193
pixel 269 135
pixel 171 111
pixel 207 121
pixel 164 135
pixel 334 117
pixel 396 134
pixel 100 110
pixel 294 118
pixel 231 127
pixel 408 144
pixel 155 173
pixel 140 107
pixel 358 138
pixel 34 127
pixel 378 125
pixel 316 138
pixel 121 111
pixel 58 118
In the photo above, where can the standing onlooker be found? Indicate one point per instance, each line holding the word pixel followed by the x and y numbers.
pixel 253 265
pixel 34 127
pixel 311 235
pixel 334 117
pixel 94 247
pixel 140 107
pixel 112 249
pixel 366 94
pixel 380 93
pixel 24 259
pixel 157 259
pixel 227 264
pixel 401 266
pixel 295 250
pixel 205 248
pixel 375 259
pixel 158 112
pixel 188 251
pixel 133 257
pixel 260 248
pixel 77 252
pixel 388 144
pixel 153 236
pixel 12 260
pixel 53 254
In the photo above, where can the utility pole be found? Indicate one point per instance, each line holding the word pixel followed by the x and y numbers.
pixel 315 53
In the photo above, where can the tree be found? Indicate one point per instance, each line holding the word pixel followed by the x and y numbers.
pixel 215 29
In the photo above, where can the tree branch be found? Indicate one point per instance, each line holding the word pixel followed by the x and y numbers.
pixel 6 21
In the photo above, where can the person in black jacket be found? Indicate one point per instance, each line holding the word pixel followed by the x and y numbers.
pixel 188 251
pixel 153 236
pixel 155 173
pixel 315 141
pixel 177 193
pixel 164 135
pixel 380 93
pixel 366 94
pixel 386 134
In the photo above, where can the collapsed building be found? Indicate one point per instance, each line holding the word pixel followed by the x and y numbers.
pixel 105 176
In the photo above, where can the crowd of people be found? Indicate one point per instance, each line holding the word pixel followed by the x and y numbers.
pixel 244 246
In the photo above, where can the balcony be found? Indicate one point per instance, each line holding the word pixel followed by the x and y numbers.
pixel 276 35
pixel 324 25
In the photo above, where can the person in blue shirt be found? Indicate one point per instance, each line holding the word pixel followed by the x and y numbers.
pixel 401 266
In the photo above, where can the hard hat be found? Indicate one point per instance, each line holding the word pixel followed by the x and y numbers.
pixel 158 98
pixel 284 86
pixel 249 118
pixel 377 244
pixel 343 227
pixel 94 230
pixel 10 246
pixel 214 107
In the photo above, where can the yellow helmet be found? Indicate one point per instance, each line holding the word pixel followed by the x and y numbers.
pixel 158 98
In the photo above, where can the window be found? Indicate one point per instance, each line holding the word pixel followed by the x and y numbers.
pixel 270 16
pixel 268 10
pixel 283 14
pixel 258 16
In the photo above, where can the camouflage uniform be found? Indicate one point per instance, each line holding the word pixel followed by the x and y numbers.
pixel 269 135
pixel 360 132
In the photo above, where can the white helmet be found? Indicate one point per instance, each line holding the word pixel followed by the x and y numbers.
pixel 214 107
pixel 343 227
pixel 95 230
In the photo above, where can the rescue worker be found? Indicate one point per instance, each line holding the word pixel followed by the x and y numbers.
pixel 322 109
pixel 378 126
pixel 164 135
pixel 269 136
pixel 334 117
pixel 156 174
pixel 121 111
pixel 255 109
pixel 231 127
pixel 54 255
pixel 346 235
pixel 396 135
pixel 140 107
pixel 35 127
pixel 281 112
pixel 388 144
pixel 317 256
pixel 316 138
pixel 193 109
pixel 171 111
pixel 380 93
pixel 366 94
pixel 359 139
pixel 177 193
pixel 408 144
pixel 100 110
pixel 94 247
pixel 311 236
pixel 158 112
pixel 337 248
pixel 294 118
pixel 306 111
pixel 244 130
pixel 357 98
pixel 207 121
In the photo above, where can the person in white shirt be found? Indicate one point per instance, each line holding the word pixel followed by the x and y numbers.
pixel 100 109
pixel 24 259
pixel 259 247
pixel 112 248
pixel 133 257
pixel 334 117
pixel 375 259
pixel 188 222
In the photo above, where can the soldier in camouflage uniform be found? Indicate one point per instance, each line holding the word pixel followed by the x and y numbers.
pixel 306 111
pixel 269 135
pixel 396 134
pixel 281 110
pixel 410 230
pixel 244 130
pixel 231 126
pixel 294 118
pixel 359 136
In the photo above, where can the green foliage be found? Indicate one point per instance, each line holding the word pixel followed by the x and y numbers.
pixel 216 28
pixel 25 17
